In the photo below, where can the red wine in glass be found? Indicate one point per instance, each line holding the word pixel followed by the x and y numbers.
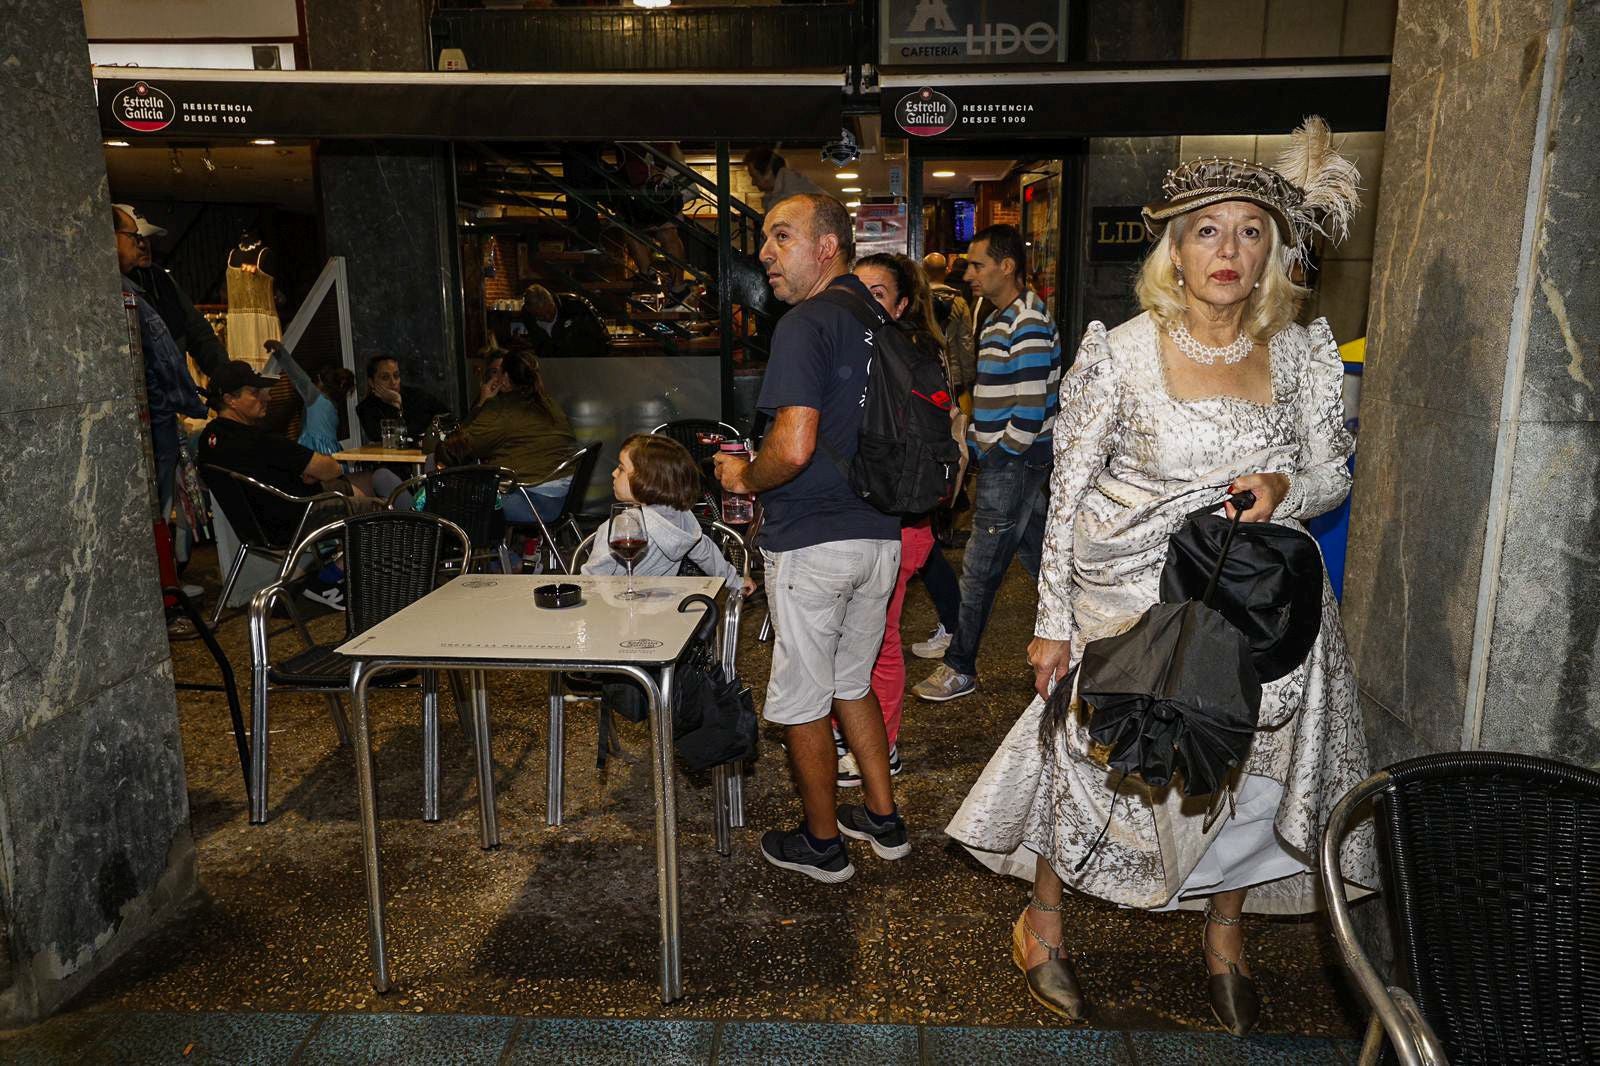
pixel 627 539
pixel 628 549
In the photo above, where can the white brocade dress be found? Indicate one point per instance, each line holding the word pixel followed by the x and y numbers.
pixel 1130 462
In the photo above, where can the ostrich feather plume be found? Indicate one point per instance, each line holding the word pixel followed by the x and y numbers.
pixel 1329 183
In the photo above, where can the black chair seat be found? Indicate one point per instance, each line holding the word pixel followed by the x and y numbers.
pixel 320 666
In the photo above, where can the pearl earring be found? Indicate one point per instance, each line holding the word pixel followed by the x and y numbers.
pixel 1180 279
pixel 1257 285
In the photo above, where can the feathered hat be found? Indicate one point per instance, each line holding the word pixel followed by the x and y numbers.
pixel 1313 190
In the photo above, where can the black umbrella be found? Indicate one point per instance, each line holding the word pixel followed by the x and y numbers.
pixel 1174 695
pixel 1268 584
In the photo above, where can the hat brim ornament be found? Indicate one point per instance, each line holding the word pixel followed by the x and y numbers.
pixel 1313 190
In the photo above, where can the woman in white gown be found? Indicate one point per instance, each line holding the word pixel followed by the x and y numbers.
pixel 1212 390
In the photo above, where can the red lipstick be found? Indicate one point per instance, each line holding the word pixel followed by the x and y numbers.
pixel 1225 277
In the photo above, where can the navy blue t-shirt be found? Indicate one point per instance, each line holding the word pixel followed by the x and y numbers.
pixel 819 359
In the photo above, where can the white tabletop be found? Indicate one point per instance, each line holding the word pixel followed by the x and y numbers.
pixel 493 617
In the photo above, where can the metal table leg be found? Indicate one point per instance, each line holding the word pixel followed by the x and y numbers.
pixel 480 727
pixel 430 746
pixel 663 780
pixel 555 751
pixel 367 801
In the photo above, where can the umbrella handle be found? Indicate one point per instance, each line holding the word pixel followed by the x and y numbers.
pixel 1242 501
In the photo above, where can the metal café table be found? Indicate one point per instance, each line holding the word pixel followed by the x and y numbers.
pixel 481 622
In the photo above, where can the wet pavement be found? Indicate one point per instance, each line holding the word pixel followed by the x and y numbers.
pixel 561 921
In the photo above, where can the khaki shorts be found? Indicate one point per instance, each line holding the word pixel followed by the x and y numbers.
pixel 828 603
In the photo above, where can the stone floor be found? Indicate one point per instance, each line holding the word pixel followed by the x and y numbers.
pixel 348 1039
pixel 561 922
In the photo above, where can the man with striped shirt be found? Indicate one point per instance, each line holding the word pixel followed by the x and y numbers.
pixel 1013 414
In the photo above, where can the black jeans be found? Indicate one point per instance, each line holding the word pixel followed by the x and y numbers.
pixel 1013 499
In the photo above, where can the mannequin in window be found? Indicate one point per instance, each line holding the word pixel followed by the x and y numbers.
pixel 252 296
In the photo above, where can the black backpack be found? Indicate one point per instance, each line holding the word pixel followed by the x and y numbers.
pixel 944 305
pixel 906 459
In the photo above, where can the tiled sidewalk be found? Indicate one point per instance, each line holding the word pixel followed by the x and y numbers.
pixel 135 1039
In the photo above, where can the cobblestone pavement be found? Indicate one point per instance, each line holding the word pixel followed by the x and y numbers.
pixel 561 922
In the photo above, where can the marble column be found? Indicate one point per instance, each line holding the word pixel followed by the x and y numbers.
pixel 386 205
pixel 1473 590
pixel 95 847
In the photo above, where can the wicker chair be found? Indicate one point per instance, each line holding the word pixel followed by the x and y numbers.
pixel 727 782
pixel 687 431
pixel 1492 871
pixel 391 561
pixel 238 496
pixel 467 496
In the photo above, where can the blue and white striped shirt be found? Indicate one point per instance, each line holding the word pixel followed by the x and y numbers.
pixel 1019 374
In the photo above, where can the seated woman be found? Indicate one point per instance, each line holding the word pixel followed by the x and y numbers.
pixel 523 429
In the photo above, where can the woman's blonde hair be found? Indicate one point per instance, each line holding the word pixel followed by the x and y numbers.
pixel 1267 310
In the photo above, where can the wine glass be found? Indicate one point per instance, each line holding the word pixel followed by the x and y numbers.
pixel 628 540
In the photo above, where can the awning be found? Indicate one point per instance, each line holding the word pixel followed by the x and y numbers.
pixel 1149 102
pixel 224 104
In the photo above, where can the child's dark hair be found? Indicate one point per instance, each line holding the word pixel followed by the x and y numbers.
pixel 663 471
pixel 335 382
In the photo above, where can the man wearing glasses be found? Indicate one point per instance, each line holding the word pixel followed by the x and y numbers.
pixel 169 390
pixel 189 328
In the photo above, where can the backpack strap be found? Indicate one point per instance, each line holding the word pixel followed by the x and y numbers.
pixel 873 320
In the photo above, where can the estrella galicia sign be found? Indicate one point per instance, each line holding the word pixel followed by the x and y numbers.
pixel 143 108
pixel 926 113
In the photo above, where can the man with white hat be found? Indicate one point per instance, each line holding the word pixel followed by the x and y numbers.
pixel 189 328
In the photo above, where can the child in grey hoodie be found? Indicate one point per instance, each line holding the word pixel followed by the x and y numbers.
pixel 659 475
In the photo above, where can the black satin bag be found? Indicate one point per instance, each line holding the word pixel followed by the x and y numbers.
pixel 1269 587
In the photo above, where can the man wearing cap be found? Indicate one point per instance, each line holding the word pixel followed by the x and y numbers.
pixel 169 390
pixel 235 440
pixel 189 328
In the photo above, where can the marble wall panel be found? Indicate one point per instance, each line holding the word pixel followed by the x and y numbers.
pixel 1341 297
pixel 1118 171
pixel 1135 30
pixel 82 610
pixel 1225 29
pixel 1435 35
pixel 77 856
pixel 384 211
pixel 1303 28
pixel 1450 228
pixel 44 50
pixel 1562 370
pixel 1416 548
pixel 1368 27
pixel 57 349
pixel 1543 695
pixel 368 35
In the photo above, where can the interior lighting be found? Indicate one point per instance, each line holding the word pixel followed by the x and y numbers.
pixel 851 188
pixel 943 174
pixel 651 3
pixel 264 142
pixel 847 175
pixel 853 203
pixel 116 144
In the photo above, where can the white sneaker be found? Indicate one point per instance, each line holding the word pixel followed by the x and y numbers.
pixel 934 646
pixel 849 772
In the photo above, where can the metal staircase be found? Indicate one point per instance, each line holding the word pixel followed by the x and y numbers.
pixel 528 191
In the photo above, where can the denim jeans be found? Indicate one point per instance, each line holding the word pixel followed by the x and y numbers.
pixel 1008 521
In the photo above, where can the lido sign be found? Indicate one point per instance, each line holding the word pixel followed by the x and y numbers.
pixel 947 32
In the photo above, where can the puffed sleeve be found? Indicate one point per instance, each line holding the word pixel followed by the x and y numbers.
pixel 1087 431
pixel 1321 478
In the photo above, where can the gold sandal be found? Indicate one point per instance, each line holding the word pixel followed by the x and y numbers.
pixel 1233 996
pixel 1053 982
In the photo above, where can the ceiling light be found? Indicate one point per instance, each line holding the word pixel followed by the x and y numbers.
pixel 651 3
pixel 851 188
pixel 116 144
pixel 853 203
pixel 265 142
pixel 944 174
pixel 847 175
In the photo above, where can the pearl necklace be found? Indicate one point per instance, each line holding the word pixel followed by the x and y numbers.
pixel 1184 341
